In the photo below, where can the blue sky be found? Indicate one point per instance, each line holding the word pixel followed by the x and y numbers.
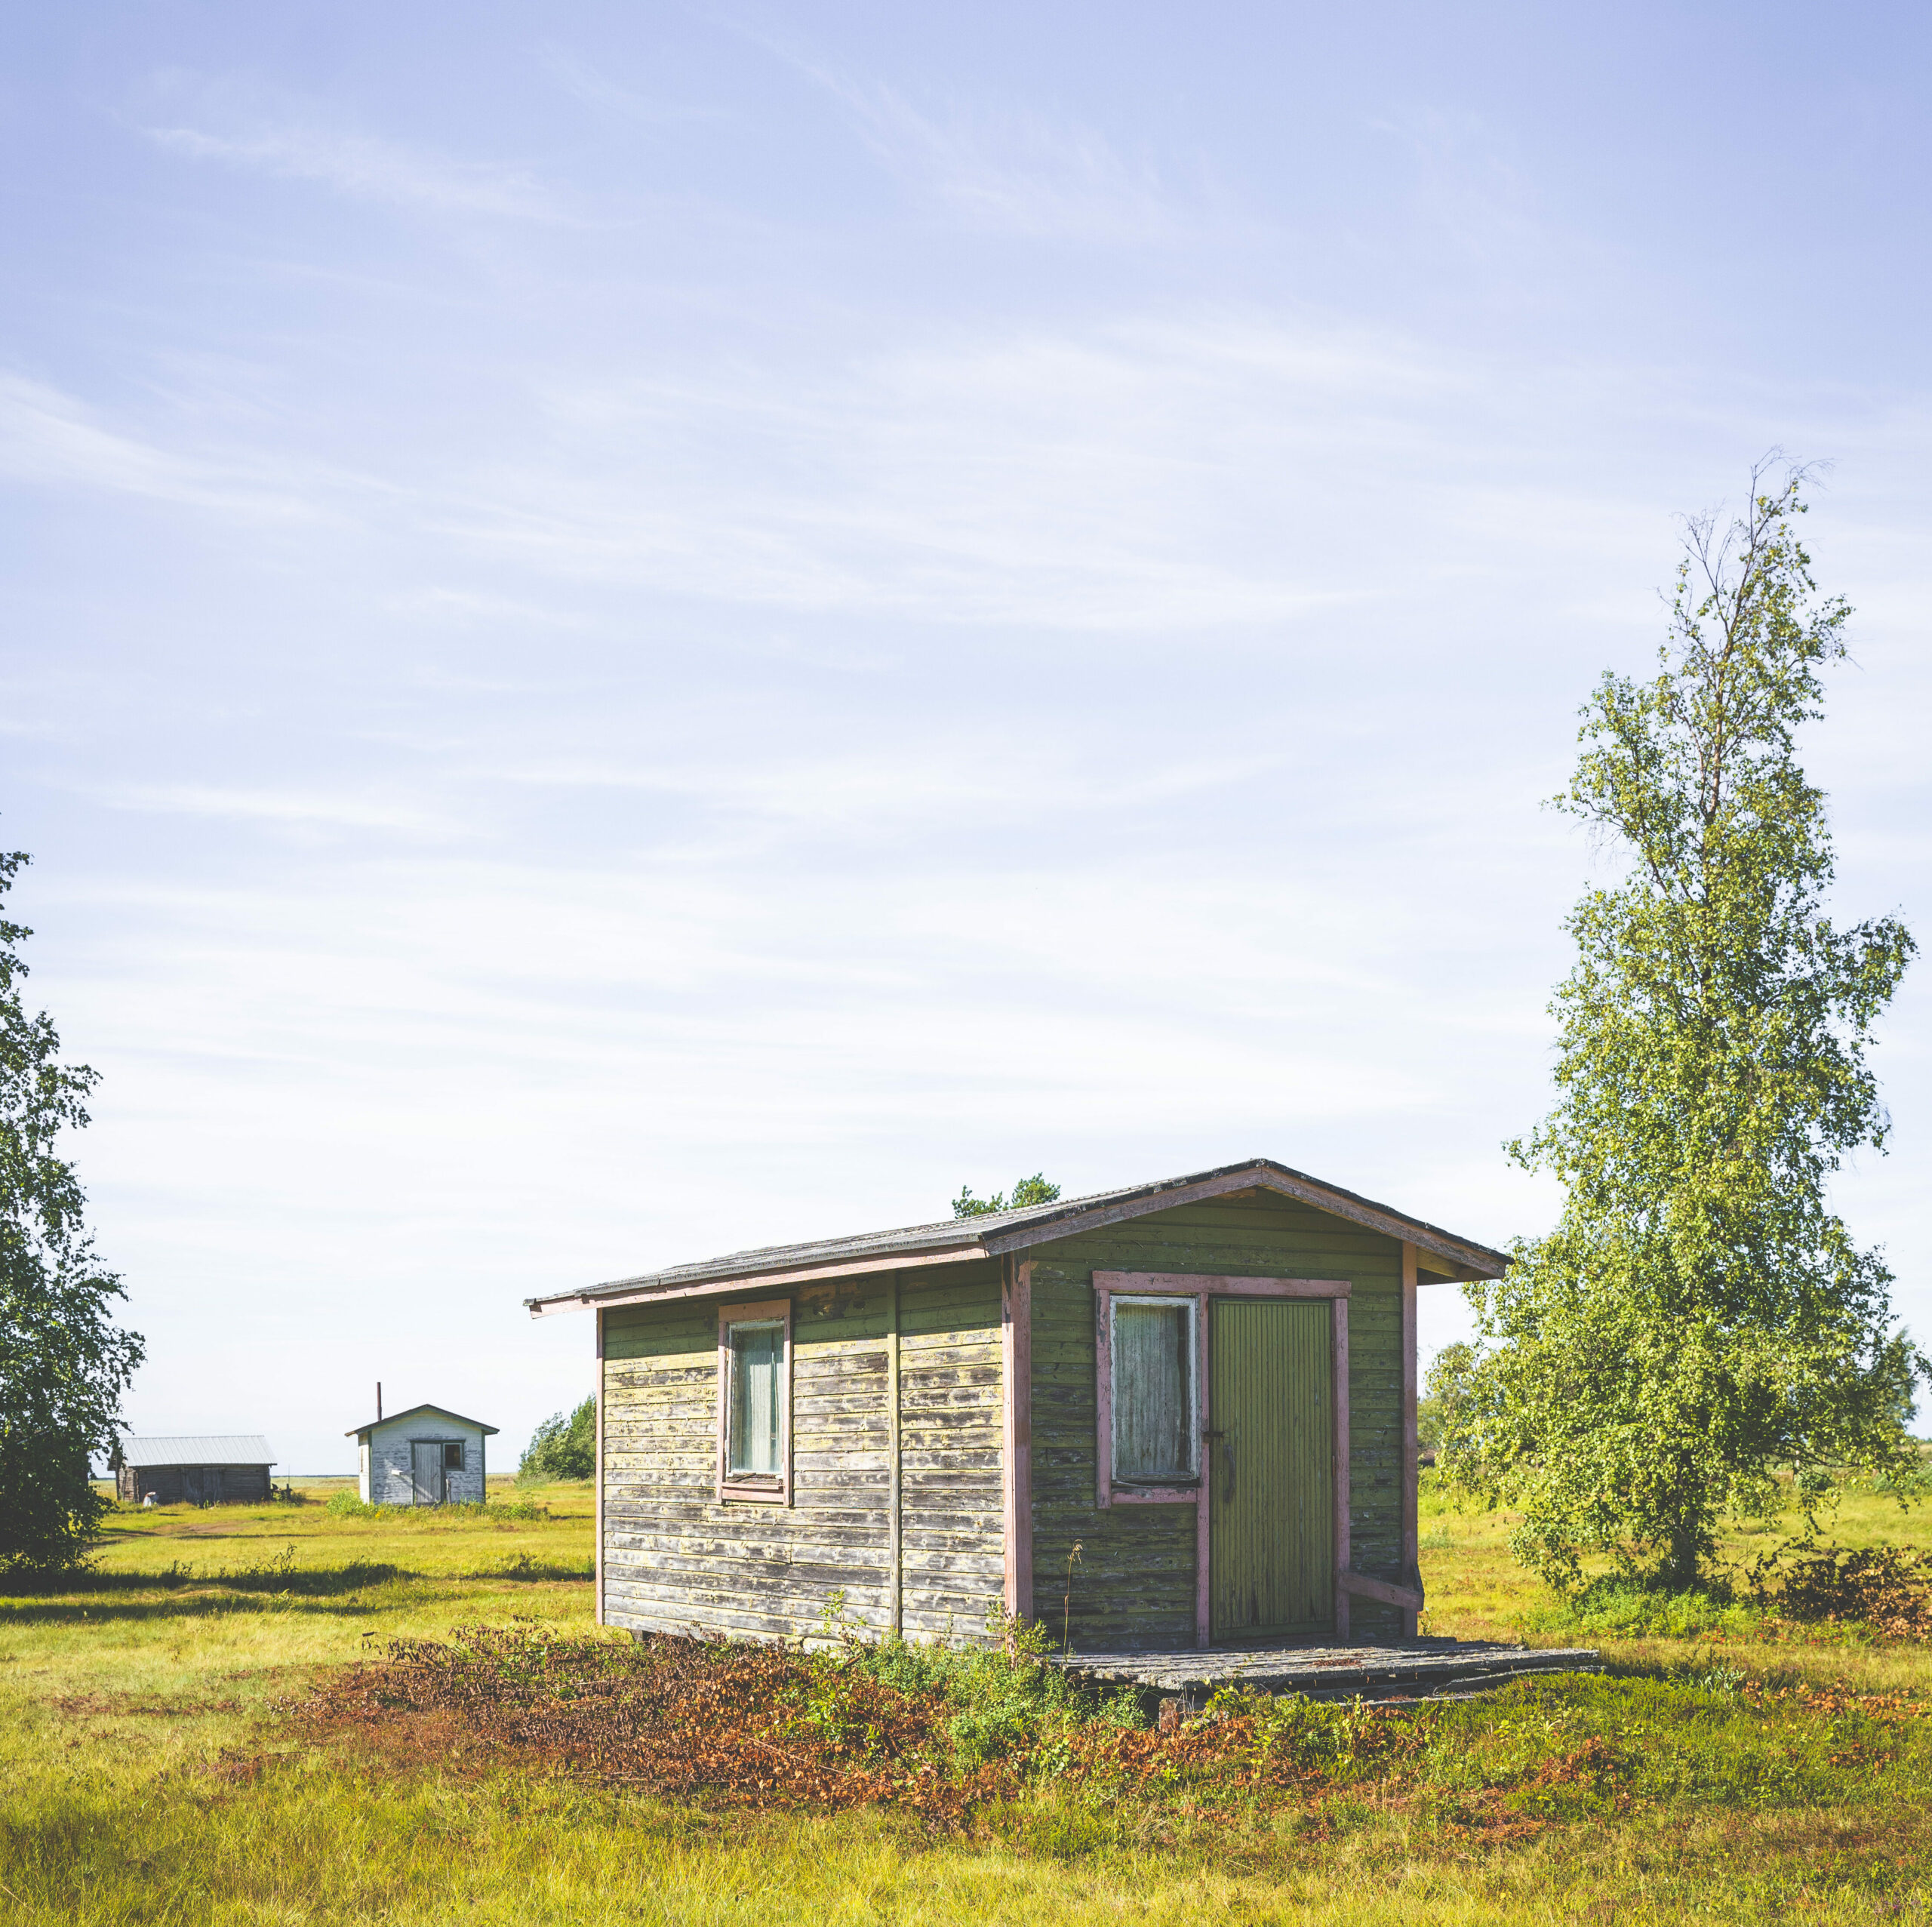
pixel 636 631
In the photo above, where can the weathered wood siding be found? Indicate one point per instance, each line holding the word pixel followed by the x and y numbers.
pixel 674 1559
pixel 1134 1583
pixel 388 1464
pixel 178 1484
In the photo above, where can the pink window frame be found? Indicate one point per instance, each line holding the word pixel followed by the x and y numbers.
pixel 1201 1287
pixel 765 1312
pixel 1104 1296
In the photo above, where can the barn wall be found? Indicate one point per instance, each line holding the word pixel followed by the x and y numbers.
pixel 675 1560
pixel 1134 1582
pixel 388 1467
pixel 176 1484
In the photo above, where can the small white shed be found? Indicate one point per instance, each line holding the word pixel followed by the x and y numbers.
pixel 423 1456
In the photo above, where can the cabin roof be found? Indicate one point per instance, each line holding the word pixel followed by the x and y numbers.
pixel 359 1432
pixel 994 1233
pixel 198 1448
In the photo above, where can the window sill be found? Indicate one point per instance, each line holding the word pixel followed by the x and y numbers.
pixel 735 1492
pixel 1155 1495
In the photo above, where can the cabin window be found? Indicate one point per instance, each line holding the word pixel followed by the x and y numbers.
pixel 755 1394
pixel 453 1456
pixel 1156 1432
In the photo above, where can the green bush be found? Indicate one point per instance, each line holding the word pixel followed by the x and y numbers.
pixel 1631 1609
pixel 1905 1485
pixel 347 1504
pixel 1000 1696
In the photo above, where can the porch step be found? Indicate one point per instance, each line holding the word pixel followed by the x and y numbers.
pixel 1423 1669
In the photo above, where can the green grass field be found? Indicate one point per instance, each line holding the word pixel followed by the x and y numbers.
pixel 153 1773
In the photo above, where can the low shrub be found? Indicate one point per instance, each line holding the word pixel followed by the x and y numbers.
pixel 1630 1608
pixel 996 1696
pixel 348 1504
pixel 1915 1484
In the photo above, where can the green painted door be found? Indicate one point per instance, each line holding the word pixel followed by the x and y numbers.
pixel 1271 1533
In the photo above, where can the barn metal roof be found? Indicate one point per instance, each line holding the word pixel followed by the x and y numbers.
pixel 198 1448
pixel 996 1232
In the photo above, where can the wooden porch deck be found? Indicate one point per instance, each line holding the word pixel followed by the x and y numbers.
pixel 1422 1668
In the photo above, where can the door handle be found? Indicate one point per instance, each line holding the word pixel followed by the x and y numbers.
pixel 1228 1448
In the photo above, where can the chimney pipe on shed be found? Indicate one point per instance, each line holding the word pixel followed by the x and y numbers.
pixel 379 1399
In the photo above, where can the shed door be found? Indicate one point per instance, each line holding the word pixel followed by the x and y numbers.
pixel 427 1469
pixel 1270 1525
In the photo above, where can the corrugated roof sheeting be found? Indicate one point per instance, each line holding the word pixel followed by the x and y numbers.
pixel 199 1448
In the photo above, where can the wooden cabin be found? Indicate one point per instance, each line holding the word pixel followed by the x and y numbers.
pixel 426 1456
pixel 204 1469
pixel 1178 1414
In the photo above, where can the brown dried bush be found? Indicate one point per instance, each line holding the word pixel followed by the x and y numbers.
pixel 1887 1588
pixel 738 1724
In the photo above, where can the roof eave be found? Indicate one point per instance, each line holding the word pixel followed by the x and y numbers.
pixel 706 1282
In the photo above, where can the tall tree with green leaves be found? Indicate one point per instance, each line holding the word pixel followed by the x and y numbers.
pixel 63 1366
pixel 563 1448
pixel 1699 1318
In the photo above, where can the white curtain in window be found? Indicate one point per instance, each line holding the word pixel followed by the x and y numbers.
pixel 758 1361
pixel 1152 1362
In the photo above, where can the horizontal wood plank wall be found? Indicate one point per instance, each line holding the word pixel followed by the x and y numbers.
pixel 952 1525
pixel 176 1484
pixel 676 1559
pixel 1133 1584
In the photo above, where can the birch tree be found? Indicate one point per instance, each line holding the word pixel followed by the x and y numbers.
pixel 1701 1318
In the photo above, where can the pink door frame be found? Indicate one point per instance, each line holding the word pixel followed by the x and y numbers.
pixel 1201 1288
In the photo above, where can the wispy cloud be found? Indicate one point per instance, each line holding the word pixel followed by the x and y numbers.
pixel 1204 470
pixel 1025 175
pixel 904 793
pixel 367 167
pixel 1107 479
pixel 48 437
pixel 1018 174
pixel 595 88
pixel 293 809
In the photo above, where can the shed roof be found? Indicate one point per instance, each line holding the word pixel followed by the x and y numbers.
pixel 198 1448
pixel 359 1432
pixel 995 1232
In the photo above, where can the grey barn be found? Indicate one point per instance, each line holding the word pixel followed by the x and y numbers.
pixel 202 1469
pixel 426 1456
